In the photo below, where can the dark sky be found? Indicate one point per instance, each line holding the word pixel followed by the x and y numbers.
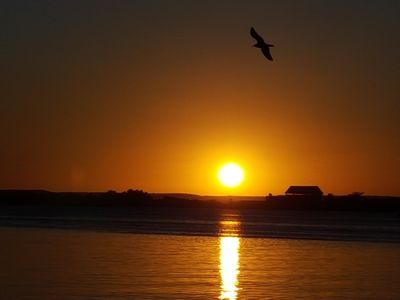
pixel 156 95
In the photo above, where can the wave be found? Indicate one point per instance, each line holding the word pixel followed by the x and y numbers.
pixel 287 225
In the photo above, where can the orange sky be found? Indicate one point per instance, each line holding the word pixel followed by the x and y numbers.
pixel 156 95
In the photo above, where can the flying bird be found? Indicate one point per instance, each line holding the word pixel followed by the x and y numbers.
pixel 261 44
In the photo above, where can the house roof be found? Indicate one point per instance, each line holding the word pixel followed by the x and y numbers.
pixel 304 190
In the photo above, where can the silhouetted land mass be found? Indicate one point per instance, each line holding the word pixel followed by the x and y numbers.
pixel 139 198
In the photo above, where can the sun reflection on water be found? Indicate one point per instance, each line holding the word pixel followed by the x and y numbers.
pixel 229 244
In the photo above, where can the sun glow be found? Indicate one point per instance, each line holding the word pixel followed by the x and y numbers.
pixel 231 175
pixel 229 258
pixel 229 267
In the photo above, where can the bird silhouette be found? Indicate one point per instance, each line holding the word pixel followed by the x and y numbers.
pixel 261 44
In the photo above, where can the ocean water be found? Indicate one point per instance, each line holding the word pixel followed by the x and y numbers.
pixel 203 221
pixel 222 256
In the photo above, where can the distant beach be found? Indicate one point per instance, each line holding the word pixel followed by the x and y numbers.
pixel 139 212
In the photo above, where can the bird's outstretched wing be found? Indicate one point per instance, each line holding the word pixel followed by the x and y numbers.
pixel 267 53
pixel 255 35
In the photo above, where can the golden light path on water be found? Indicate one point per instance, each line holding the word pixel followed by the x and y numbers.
pixel 229 243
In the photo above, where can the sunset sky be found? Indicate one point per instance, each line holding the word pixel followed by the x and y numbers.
pixel 157 95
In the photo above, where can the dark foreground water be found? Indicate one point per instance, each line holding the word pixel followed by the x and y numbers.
pixel 190 255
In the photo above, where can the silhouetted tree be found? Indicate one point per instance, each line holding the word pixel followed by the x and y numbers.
pixel 137 195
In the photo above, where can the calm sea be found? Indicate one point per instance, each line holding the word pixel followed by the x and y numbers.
pixel 190 255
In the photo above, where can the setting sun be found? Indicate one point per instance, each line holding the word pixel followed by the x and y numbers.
pixel 231 175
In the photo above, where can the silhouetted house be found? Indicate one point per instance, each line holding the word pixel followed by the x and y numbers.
pixel 308 191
